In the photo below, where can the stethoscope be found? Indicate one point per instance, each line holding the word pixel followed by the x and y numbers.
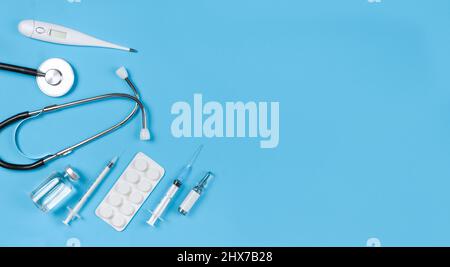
pixel 54 77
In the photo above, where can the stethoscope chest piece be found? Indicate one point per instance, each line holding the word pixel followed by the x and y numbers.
pixel 57 77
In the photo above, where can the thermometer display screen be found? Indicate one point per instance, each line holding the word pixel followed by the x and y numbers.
pixel 58 34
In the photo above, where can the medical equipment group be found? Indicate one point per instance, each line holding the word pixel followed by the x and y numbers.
pixel 55 78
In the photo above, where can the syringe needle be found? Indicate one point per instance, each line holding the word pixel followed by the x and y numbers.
pixel 195 156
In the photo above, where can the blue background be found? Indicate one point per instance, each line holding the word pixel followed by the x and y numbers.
pixel 364 91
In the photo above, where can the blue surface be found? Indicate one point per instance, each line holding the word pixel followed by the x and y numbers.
pixel 364 92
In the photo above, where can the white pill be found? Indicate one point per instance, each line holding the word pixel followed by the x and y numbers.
pixel 118 221
pixel 127 210
pixel 141 165
pixel 115 200
pixel 132 177
pixel 153 174
pixel 106 212
pixel 136 198
pixel 123 189
pixel 145 185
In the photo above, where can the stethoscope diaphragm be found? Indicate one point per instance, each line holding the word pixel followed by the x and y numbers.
pixel 57 77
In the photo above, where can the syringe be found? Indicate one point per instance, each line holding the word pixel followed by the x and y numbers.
pixel 74 212
pixel 177 183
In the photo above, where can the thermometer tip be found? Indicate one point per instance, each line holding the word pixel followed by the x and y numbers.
pixel 132 50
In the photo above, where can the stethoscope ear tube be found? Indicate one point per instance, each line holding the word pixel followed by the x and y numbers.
pixel 7 165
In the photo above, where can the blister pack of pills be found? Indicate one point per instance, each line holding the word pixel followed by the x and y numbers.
pixel 130 191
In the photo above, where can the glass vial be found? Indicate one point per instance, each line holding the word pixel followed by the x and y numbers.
pixel 195 194
pixel 55 189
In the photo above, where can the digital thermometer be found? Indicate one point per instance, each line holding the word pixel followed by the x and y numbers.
pixel 57 34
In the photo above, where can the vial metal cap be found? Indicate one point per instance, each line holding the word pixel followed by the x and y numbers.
pixel 72 174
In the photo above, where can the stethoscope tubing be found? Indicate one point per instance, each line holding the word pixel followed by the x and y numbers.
pixel 21 70
pixel 28 114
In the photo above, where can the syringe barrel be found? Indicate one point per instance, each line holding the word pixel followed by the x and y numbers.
pixel 162 206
